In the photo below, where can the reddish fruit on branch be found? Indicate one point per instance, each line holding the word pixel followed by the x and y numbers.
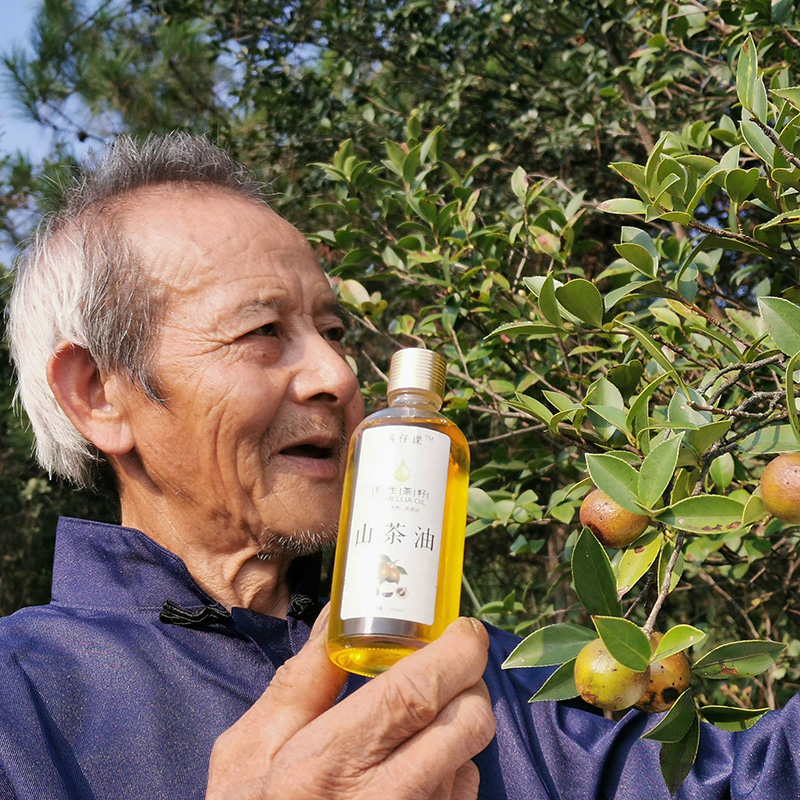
pixel 780 487
pixel 613 525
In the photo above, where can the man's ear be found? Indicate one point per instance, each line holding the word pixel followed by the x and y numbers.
pixel 94 403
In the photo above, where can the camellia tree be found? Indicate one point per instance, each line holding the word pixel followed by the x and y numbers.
pixel 659 390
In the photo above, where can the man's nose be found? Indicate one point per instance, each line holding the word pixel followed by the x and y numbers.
pixel 323 374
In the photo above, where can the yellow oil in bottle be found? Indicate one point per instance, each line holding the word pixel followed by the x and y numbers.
pixel 368 643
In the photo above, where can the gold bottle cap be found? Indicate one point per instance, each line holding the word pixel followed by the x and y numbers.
pixel 415 368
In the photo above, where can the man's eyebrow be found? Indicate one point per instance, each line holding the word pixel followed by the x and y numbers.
pixel 337 310
pixel 255 307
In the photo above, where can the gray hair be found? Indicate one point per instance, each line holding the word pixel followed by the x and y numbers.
pixel 81 280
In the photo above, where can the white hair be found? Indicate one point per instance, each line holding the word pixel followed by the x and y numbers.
pixel 81 280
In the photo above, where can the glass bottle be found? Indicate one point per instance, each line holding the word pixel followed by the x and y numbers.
pixel 400 551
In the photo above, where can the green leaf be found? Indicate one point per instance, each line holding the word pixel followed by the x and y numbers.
pixel 774 439
pixel 625 640
pixel 606 420
pixel 782 321
pixel 703 437
pixel 732 719
pixel 754 510
pixel 553 644
pixel 480 505
pixel 622 205
pixel 593 577
pixel 655 351
pixel 632 173
pixel 672 727
pixel 639 403
pixel 538 329
pixel 638 257
pixel 548 304
pixel 677 639
pixel 410 165
pixel 705 513
pixel 786 218
pixel 664 557
pixel 583 299
pixel 533 406
pixel 636 560
pixel 603 393
pixel 353 294
pixel 653 160
pixel 738 659
pixel 678 757
pixel 791 402
pixel 791 93
pixel 397 157
pixel 722 470
pixel 758 141
pixel 626 378
pixel 712 242
pixel 519 182
pixel 657 470
pixel 680 410
pixel 559 686
pixel 615 478
pixel 740 183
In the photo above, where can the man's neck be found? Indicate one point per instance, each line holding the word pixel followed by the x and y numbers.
pixel 223 562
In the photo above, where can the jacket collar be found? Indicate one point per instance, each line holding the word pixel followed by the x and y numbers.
pixel 98 565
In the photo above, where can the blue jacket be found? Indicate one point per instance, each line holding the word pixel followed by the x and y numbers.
pixel 118 688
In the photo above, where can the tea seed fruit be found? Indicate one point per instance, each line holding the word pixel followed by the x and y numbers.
pixel 613 525
pixel 604 682
pixel 780 487
pixel 669 679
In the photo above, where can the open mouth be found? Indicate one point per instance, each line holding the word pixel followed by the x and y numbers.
pixel 308 451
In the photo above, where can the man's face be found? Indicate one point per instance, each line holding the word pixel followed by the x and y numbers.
pixel 249 445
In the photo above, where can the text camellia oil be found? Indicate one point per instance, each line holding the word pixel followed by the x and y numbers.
pixel 399 557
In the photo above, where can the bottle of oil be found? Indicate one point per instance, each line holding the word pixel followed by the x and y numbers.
pixel 399 557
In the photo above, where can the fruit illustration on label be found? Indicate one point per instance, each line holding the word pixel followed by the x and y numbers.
pixel 389 574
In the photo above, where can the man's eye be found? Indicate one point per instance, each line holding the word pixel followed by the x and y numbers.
pixel 334 334
pixel 270 329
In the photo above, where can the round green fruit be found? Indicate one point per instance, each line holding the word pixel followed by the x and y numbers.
pixel 604 682
pixel 613 525
pixel 780 487
pixel 669 679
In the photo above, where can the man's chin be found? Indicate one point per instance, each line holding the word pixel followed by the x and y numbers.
pixel 281 545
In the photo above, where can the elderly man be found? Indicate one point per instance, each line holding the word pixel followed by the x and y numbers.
pixel 176 337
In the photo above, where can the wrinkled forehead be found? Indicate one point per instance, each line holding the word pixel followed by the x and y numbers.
pixel 189 237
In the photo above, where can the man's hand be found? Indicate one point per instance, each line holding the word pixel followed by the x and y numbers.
pixel 409 734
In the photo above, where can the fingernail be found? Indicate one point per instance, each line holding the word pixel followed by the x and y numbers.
pixel 479 628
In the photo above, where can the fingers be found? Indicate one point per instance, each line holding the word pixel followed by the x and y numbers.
pixel 411 728
pixel 467 782
pixel 408 697
pixel 414 728
pixel 302 689
pixel 433 765
pixel 428 760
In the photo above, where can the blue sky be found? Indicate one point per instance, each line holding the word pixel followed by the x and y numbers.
pixel 16 17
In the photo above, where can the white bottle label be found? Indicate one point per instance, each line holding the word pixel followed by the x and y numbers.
pixel 392 563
